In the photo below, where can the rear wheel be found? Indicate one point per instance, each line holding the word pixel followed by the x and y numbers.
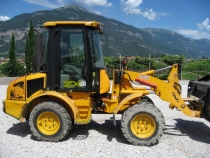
pixel 142 124
pixel 49 121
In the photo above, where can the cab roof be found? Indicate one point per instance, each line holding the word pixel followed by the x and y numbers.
pixel 84 23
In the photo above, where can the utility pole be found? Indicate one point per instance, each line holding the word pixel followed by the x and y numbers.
pixel 149 61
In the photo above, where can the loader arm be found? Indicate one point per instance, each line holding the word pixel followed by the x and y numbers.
pixel 169 91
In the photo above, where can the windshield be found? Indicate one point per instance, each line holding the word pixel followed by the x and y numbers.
pixel 95 46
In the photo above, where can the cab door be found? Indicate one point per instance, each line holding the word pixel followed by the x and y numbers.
pixel 74 69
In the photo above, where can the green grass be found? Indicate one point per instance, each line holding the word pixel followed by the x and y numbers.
pixel 1 75
pixel 189 76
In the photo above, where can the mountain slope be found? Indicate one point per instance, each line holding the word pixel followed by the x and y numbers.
pixel 118 37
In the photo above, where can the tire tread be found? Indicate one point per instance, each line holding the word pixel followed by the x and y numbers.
pixel 65 118
pixel 142 107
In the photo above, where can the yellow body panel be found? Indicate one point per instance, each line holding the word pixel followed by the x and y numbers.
pixel 83 103
pixel 126 99
pixel 115 89
pixel 81 108
pixel 85 23
pixel 16 89
pixel 61 96
pixel 16 99
pixel 126 85
pixel 104 82
pixel 113 102
pixel 14 108
pixel 117 102
pixel 79 95
pixel 84 107
pixel 110 105
pixel 33 76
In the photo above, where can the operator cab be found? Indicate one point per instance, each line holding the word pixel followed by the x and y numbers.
pixel 72 57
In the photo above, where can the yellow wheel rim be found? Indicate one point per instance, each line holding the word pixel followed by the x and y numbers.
pixel 48 123
pixel 143 126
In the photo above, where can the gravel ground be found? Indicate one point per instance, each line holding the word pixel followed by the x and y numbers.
pixel 184 137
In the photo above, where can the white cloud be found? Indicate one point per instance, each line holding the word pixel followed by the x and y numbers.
pixel 203 31
pixel 47 3
pixel 150 15
pixel 94 2
pixel 4 18
pixel 133 7
pixel 204 25
pixel 195 34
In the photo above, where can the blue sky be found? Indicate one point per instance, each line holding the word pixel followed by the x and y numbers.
pixel 191 18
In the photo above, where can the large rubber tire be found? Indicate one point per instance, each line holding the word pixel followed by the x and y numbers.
pixel 146 99
pixel 49 121
pixel 142 124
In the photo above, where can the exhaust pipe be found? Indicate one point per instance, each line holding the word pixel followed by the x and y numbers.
pixel 39 49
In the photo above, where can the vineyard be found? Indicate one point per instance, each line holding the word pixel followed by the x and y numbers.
pixel 189 69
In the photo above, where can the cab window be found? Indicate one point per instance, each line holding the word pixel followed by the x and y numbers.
pixel 72 59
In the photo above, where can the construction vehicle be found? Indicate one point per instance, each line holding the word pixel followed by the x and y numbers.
pixel 69 83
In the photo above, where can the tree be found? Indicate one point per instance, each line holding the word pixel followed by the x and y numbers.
pixel 9 68
pixel 12 67
pixel 30 48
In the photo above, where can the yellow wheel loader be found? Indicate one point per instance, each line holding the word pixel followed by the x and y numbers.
pixel 69 83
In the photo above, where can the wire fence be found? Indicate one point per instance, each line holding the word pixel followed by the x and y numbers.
pixel 184 75
pixel 195 75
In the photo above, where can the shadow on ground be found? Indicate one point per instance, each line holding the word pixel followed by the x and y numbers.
pixel 107 128
pixel 78 132
pixel 196 130
pixel 20 129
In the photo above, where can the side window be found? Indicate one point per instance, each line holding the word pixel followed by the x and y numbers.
pixel 72 59
pixel 97 58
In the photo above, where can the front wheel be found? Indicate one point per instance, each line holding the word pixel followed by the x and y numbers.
pixel 142 124
pixel 49 121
